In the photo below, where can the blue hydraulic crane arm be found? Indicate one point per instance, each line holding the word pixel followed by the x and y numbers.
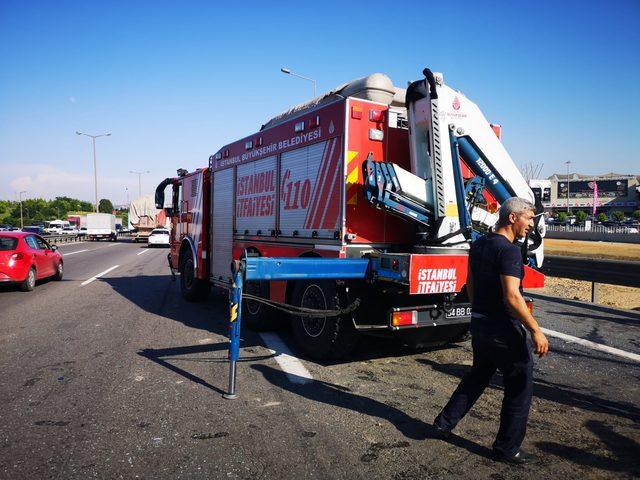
pixel 482 167
pixel 463 212
pixel 263 268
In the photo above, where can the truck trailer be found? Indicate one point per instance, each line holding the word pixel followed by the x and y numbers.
pixel 404 178
pixel 101 226
pixel 142 217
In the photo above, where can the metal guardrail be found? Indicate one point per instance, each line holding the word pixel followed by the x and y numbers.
pixel 615 272
pixel 63 238
pixel 74 238
pixel 628 229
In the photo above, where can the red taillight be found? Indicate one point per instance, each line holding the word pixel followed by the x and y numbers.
pixel 400 319
pixel 17 256
pixel 356 112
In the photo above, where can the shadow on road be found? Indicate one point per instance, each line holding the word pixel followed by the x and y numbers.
pixel 554 392
pixel 165 356
pixel 622 454
pixel 157 294
pixel 342 397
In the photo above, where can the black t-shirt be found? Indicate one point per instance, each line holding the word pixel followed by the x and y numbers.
pixel 491 256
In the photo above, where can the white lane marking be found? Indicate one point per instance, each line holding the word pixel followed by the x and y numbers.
pixel 593 345
pixel 73 253
pixel 112 245
pixel 86 282
pixel 143 251
pixel 296 372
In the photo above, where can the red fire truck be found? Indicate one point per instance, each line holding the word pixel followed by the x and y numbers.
pixel 405 178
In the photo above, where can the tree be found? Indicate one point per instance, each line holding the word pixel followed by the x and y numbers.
pixel 105 206
pixel 602 217
pixel 636 215
pixel 617 215
pixel 581 216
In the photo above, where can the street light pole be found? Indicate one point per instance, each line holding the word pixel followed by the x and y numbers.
pixel 289 72
pixel 567 163
pixel 21 219
pixel 95 165
pixel 139 180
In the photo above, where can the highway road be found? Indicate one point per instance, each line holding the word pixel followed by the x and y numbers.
pixel 118 377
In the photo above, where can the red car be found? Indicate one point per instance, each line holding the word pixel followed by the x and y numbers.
pixel 26 257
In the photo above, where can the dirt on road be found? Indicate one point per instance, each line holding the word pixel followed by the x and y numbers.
pixel 611 295
pixel 600 250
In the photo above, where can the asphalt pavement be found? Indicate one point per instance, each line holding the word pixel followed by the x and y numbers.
pixel 119 377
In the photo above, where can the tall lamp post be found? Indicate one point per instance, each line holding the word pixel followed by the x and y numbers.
pixel 139 180
pixel 95 168
pixel 289 72
pixel 567 163
pixel 21 219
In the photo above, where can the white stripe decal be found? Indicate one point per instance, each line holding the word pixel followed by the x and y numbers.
pixel 332 186
pixel 593 345
pixel 315 193
pixel 86 282
pixel 323 199
pixel 295 370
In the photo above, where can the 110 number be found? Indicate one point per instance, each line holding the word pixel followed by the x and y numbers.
pixel 295 195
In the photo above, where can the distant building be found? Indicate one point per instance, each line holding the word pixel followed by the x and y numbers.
pixel 615 192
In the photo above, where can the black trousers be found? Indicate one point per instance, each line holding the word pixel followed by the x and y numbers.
pixel 510 353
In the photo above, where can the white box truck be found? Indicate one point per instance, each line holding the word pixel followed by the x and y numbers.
pixel 101 226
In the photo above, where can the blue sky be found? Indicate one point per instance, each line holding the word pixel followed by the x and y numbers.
pixel 173 81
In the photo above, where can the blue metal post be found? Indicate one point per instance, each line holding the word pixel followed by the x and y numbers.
pixel 261 268
pixel 235 311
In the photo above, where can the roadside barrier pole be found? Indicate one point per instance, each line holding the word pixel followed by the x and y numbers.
pixel 595 293
pixel 235 312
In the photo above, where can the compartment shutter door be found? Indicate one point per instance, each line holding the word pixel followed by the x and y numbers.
pixel 222 225
pixel 256 197
pixel 311 189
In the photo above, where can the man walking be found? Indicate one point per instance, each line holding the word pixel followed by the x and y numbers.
pixel 499 340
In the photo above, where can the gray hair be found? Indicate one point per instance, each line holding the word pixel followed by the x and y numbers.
pixel 513 205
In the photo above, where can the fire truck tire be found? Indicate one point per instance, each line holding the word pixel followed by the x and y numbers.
pixel 257 316
pixel 193 289
pixel 322 338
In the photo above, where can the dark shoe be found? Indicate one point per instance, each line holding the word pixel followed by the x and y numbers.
pixel 519 458
pixel 441 433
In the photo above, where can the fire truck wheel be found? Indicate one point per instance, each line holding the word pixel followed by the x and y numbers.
pixel 255 315
pixel 322 338
pixel 193 289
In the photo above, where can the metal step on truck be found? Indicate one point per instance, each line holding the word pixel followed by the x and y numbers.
pixel 405 179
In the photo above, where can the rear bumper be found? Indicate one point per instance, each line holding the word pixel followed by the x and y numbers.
pixel 432 316
pixel 421 317
pixel 16 276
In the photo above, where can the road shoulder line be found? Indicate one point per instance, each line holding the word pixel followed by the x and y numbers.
pixel 593 345
pixel 73 253
pixel 86 282
pixel 290 365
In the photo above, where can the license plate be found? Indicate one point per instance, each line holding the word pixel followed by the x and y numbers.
pixel 458 312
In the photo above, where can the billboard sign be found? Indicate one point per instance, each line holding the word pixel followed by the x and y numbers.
pixel 585 189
